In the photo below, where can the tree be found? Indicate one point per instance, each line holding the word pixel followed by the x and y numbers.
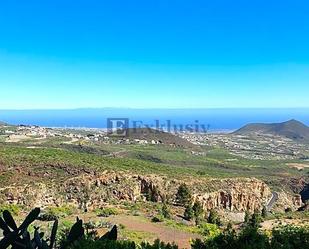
pixel 197 209
pixel 227 239
pixel 153 194
pixel 288 237
pixel 255 220
pixel 189 213
pixel 166 213
pixel 264 212
pixel 183 196
pixel 213 218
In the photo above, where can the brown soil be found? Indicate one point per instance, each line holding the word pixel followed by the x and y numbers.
pixel 298 166
pixel 270 224
pixel 164 233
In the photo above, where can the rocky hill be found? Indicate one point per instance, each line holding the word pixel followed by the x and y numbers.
pixel 291 129
pixel 157 136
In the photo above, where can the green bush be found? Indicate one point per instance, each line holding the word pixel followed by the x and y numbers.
pixel 165 211
pixel 197 209
pixel 250 237
pixel 102 244
pixel 158 245
pixel 105 212
pixel 53 213
pixel 157 218
pixel 264 212
pixel 213 218
pixel 290 237
pixel 18 236
pixel 63 232
pixel 189 213
pixel 106 244
pixel 255 220
pixel 183 196
pixel 209 230
pixel 12 208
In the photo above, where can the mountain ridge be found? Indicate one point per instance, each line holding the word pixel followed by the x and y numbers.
pixel 292 129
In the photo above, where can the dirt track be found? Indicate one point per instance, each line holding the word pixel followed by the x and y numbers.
pixel 164 233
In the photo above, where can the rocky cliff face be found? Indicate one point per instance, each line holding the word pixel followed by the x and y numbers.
pixel 288 201
pixel 238 195
pixel 90 190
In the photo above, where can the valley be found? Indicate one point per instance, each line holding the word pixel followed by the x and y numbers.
pixel 87 172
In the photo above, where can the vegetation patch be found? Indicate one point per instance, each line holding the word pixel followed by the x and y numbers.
pixel 107 211
pixel 12 208
pixel 53 213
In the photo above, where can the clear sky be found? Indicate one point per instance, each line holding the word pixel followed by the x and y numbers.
pixel 154 53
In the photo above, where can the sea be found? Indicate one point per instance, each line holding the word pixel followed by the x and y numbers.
pixel 213 120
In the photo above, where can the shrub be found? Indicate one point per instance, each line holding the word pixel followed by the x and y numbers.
pixel 63 232
pixel 105 212
pixel 153 194
pixel 183 196
pixel 157 218
pixel 15 236
pixel 165 211
pixel 255 220
pixel 264 212
pixel 53 213
pixel 106 244
pixel 246 239
pixel 209 230
pixel 102 244
pixel 290 237
pixel 189 213
pixel 197 209
pixel 12 208
pixel 158 245
pixel 213 218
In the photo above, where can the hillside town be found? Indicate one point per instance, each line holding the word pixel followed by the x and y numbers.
pixel 256 146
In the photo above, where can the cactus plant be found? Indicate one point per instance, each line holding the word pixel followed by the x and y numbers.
pixel 18 237
pixel 111 235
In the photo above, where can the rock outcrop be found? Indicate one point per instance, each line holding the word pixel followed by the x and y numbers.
pixel 240 195
pixel 288 201
pixel 90 190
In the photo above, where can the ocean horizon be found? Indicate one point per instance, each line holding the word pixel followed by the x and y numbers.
pixel 214 119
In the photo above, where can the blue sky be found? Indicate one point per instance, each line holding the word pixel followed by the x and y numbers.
pixel 160 53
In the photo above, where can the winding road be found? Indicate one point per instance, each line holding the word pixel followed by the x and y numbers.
pixel 272 201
